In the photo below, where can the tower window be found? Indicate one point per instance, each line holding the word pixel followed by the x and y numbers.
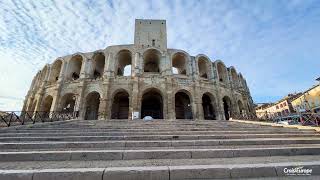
pixel 153 42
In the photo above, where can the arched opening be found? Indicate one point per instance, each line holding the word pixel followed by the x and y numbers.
pixel 120 105
pixel 92 105
pixel 183 106
pixel 208 107
pixel 68 102
pixel 151 61
pixel 234 76
pixel 222 72
pixel 227 107
pixel 98 65
pixel 75 67
pixel 152 104
pixel 124 63
pixel 203 67
pixel 179 64
pixel 55 71
pixel 46 106
pixel 241 108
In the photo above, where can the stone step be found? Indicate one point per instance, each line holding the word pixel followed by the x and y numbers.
pixel 156 143
pixel 91 155
pixel 158 131
pixel 169 172
pixel 15 165
pixel 151 137
pixel 154 147
pixel 149 128
pixel 79 133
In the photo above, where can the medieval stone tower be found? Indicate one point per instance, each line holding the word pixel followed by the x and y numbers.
pixel 141 79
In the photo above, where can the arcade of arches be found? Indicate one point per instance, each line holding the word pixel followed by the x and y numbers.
pixel 152 104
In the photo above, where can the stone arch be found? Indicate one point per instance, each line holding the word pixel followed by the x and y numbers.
pixel 151 60
pixel 208 106
pixel 74 67
pixel 92 105
pixel 204 66
pixel 234 76
pixel 46 106
pixel 124 63
pixel 68 103
pixel 55 71
pixel 179 63
pixel 222 72
pixel 47 103
pixel 152 103
pixel 120 104
pixel 183 105
pixel 227 107
pixel 98 63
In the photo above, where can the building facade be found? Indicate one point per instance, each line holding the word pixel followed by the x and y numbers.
pixel 141 79
pixel 283 107
pixel 308 101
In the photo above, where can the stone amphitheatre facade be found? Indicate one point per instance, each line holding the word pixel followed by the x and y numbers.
pixel 141 79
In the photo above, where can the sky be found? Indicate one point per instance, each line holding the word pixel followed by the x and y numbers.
pixel 274 44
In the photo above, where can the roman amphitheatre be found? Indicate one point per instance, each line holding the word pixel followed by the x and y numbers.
pixel 141 79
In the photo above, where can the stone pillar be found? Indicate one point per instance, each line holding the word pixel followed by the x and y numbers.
pixel 84 67
pixel 39 102
pixel 197 102
pixel 63 70
pixel 219 105
pixel 134 99
pixel 109 66
pixel 165 67
pixel 135 104
pixel 102 109
pixel 135 71
pixel 170 99
pixel 80 101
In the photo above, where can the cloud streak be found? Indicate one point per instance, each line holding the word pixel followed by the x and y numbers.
pixel 273 43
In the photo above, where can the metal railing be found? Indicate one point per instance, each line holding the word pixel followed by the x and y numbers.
pixel 11 118
pixel 303 118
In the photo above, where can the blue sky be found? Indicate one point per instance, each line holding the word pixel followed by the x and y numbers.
pixel 274 44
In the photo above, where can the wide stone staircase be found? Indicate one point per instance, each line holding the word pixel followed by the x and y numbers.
pixel 159 149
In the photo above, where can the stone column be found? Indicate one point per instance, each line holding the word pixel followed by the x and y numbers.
pixel 135 71
pixel 135 104
pixel 109 66
pixel 39 102
pixel 80 101
pixel 219 105
pixel 57 91
pixel 134 99
pixel 197 102
pixel 170 99
pixel 102 109
pixel 84 67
